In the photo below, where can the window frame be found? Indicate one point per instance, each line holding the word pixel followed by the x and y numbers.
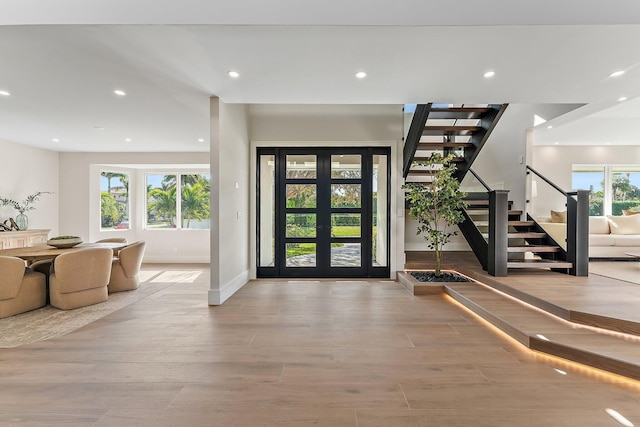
pixel 129 206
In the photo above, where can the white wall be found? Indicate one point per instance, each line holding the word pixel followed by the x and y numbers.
pixel 80 204
pixel 555 161
pixel 25 170
pixel 230 199
pixel 339 125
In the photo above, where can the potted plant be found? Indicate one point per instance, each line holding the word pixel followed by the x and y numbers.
pixel 23 206
pixel 437 206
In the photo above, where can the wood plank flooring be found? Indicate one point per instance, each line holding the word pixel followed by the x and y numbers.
pixel 299 353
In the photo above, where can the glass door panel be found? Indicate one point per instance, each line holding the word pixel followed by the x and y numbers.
pixel 301 166
pixel 380 217
pixel 346 166
pixel 266 211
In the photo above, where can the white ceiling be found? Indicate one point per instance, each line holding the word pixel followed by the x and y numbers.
pixel 62 76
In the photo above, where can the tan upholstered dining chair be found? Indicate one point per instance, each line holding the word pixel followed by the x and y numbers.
pixel 112 240
pixel 80 278
pixel 125 268
pixel 20 289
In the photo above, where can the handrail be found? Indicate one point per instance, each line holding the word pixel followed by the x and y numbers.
pixel 480 180
pixel 548 181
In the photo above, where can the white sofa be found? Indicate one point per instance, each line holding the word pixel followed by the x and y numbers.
pixel 609 236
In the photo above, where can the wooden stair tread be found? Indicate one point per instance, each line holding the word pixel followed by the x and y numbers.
pixel 473 211
pixel 425 158
pixel 509 223
pixel 421 172
pixel 440 145
pixel 450 130
pixel 458 112
pixel 533 248
pixel 538 263
pixel 527 235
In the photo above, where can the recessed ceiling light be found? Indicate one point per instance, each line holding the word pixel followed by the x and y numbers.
pixel 622 98
pixel 200 140
pixel 127 139
pixel 617 73
pixel 550 127
pixel 4 93
pixel 608 143
pixel 556 143
pixel 120 92
pixel 489 74
pixel 361 75
pixel 233 74
pixel 98 127
pixel 55 140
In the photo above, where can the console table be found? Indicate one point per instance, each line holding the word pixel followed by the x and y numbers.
pixel 22 239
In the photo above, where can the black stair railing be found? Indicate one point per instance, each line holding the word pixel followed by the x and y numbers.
pixel 577 228
pixel 493 251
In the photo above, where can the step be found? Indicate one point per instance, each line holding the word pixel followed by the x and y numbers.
pixel 538 263
pixel 522 235
pixel 533 248
pixel 458 113
pixel 482 211
pixel 424 159
pixel 450 130
pixel 482 202
pixel 509 223
pixel 526 235
pixel 441 145
pixel 415 172
pixel 548 334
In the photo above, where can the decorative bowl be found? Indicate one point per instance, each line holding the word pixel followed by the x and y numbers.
pixel 64 241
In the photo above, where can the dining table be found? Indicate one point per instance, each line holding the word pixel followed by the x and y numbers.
pixel 35 253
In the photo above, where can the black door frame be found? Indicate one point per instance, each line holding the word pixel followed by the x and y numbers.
pixel 323 238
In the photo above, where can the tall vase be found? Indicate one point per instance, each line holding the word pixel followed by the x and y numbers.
pixel 22 221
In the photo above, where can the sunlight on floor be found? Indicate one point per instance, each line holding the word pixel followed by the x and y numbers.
pixel 176 276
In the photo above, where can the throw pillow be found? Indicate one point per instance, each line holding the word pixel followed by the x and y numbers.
pixel 558 216
pixel 624 224
pixel 629 213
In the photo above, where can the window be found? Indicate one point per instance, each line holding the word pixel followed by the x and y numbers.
pixel 590 178
pixel 192 207
pixel 614 189
pixel 114 200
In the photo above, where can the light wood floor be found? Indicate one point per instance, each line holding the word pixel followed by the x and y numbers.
pixel 299 353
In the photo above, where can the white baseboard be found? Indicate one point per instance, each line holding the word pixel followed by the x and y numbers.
pixel 218 296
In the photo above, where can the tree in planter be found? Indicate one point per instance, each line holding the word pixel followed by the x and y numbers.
pixel 437 207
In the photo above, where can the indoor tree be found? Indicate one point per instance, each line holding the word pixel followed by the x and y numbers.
pixel 437 206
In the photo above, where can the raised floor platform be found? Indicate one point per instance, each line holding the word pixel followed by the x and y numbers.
pixel 591 320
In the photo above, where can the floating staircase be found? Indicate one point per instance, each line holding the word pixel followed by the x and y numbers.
pixel 528 245
pixel 462 130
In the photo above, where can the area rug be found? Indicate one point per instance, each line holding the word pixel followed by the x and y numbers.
pixel 628 271
pixel 48 322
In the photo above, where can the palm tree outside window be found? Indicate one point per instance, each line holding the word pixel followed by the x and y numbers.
pixel 190 211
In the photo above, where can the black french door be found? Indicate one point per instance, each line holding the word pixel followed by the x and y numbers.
pixel 325 214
